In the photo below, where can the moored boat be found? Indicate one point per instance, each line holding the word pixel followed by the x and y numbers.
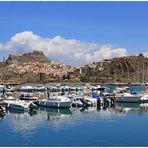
pixel 40 88
pixel 28 97
pixel 130 98
pixel 76 99
pixel 27 89
pixel 19 105
pixel 56 101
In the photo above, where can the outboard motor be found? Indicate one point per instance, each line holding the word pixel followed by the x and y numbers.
pixel 83 101
pixel 32 105
pixel 98 102
pixel 106 101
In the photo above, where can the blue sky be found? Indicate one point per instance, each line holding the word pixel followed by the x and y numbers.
pixel 115 24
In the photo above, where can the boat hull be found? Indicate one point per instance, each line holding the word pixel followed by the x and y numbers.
pixel 28 99
pixel 131 99
pixel 17 107
pixel 54 104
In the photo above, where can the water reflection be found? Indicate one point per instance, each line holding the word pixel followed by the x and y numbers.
pixel 55 114
pixel 2 116
pixel 124 108
pixel 26 122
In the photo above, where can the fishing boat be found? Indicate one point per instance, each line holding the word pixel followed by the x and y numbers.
pixel 55 101
pixel 19 105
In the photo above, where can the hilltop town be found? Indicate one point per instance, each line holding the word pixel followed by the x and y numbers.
pixel 35 67
pixel 32 67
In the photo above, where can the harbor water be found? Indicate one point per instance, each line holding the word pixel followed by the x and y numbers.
pixel 122 124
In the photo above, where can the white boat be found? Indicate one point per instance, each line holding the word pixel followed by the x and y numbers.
pixel 131 98
pixel 56 101
pixel 27 89
pixel 144 98
pixel 19 105
pixel 91 99
pixel 76 100
pixel 65 88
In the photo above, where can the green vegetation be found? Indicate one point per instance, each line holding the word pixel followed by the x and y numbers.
pixel 122 70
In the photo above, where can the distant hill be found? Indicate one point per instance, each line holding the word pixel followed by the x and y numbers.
pixel 27 57
pixel 124 69
pixel 36 67
pixel 31 67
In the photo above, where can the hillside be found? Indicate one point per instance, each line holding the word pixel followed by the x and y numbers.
pixel 31 67
pixel 123 70
pixel 35 67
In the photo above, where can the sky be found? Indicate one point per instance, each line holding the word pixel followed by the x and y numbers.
pixel 74 33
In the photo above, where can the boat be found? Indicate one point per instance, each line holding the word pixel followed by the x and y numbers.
pixel 19 105
pixel 8 88
pixel 91 99
pixel 40 88
pixel 77 102
pixel 56 101
pixel 75 99
pixel 132 98
pixel 27 89
pixel 28 97
pixel 2 96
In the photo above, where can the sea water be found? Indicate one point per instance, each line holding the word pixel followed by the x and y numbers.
pixel 119 125
pixel 123 124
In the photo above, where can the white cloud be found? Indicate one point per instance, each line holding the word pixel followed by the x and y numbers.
pixel 1 47
pixel 68 51
pixel 145 54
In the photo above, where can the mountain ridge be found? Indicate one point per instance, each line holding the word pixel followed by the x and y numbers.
pixel 35 67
